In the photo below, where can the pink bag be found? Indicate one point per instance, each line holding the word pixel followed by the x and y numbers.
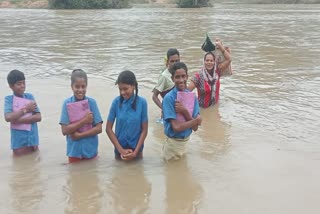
pixel 77 111
pixel 17 104
pixel 187 100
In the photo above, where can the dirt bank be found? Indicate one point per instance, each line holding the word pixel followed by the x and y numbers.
pixel 24 4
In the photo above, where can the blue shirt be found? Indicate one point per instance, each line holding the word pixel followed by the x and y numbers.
pixel 22 138
pixel 86 147
pixel 169 113
pixel 128 121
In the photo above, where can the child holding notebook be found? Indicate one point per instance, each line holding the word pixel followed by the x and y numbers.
pixel 80 120
pixel 21 110
pixel 180 113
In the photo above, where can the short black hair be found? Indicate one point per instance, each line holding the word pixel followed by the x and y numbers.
pixel 176 66
pixel 172 52
pixel 15 76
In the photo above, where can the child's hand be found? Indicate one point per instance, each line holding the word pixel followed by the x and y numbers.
pixel 31 107
pixel 199 120
pixel 125 154
pixel 179 107
pixel 75 136
pixel 88 119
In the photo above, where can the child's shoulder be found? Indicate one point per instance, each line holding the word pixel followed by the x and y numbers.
pixel 142 99
pixel 28 95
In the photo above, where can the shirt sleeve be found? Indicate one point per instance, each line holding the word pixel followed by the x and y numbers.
pixel 168 109
pixel 95 111
pixel 64 118
pixel 161 83
pixel 144 116
pixel 113 111
pixel 8 104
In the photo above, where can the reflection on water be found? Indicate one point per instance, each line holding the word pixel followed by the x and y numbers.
pixel 213 133
pixel 26 183
pixel 83 189
pixel 129 189
pixel 183 192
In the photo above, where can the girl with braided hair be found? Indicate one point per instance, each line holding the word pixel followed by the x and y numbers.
pixel 131 114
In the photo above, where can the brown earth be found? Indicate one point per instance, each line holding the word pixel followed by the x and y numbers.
pixel 25 4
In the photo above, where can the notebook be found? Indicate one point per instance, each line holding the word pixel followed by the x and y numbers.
pixel 187 100
pixel 77 111
pixel 17 104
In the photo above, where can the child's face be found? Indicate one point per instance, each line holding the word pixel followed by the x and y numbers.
pixel 126 90
pixel 19 87
pixel 180 79
pixel 172 59
pixel 79 88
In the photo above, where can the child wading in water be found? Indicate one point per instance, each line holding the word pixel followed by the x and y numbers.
pixel 131 114
pixel 81 133
pixel 21 110
pixel 178 132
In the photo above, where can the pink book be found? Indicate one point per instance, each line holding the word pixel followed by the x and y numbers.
pixel 77 111
pixel 17 104
pixel 187 100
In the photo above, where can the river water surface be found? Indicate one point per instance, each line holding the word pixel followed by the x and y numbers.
pixel 258 151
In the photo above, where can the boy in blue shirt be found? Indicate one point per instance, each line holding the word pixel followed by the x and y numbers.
pixel 178 132
pixel 23 139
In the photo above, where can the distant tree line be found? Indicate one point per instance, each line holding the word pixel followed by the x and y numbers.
pixel 193 3
pixel 88 4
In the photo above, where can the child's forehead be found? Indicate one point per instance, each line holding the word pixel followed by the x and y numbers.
pixel 79 80
pixel 20 81
pixel 180 71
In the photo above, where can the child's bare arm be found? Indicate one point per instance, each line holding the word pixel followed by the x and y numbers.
pixel 179 126
pixel 73 127
pixel 142 138
pixel 91 132
pixel 114 140
pixel 28 120
pixel 195 128
pixel 14 116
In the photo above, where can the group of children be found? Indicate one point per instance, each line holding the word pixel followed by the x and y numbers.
pixel 81 121
pixel 129 111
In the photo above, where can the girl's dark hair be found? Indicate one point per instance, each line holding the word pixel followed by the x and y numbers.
pixel 171 52
pixel 78 73
pixel 176 66
pixel 128 77
pixel 209 53
pixel 15 76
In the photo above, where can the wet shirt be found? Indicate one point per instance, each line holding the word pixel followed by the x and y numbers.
pixel 22 138
pixel 128 121
pixel 164 84
pixel 86 147
pixel 169 113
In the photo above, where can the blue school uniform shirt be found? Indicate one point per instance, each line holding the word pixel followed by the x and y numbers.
pixel 128 121
pixel 22 138
pixel 86 147
pixel 169 113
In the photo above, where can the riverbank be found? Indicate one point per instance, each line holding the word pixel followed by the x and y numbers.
pixel 32 4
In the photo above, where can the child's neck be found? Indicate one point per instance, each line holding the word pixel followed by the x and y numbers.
pixel 18 95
